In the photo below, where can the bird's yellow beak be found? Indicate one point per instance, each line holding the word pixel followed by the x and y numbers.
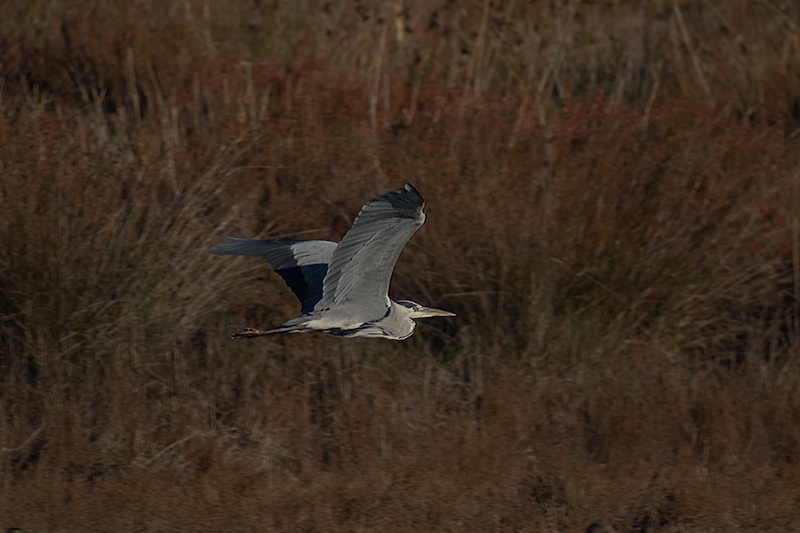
pixel 426 312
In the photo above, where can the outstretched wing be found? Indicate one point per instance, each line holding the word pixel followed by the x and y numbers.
pixel 362 264
pixel 301 263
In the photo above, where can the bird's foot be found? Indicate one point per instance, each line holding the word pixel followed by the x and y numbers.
pixel 247 333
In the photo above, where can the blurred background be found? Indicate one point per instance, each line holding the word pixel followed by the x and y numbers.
pixel 612 194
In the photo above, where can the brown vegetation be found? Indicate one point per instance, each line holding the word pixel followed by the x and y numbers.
pixel 612 195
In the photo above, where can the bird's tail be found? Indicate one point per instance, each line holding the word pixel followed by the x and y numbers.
pixel 249 333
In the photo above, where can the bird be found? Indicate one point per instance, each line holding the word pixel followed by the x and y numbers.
pixel 343 287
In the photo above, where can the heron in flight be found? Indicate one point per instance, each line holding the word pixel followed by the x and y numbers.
pixel 343 287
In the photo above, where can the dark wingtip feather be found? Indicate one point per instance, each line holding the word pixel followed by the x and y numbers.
pixel 407 201
pixel 410 188
pixel 225 244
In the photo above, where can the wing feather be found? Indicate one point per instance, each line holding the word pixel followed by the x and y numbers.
pixel 362 263
pixel 302 264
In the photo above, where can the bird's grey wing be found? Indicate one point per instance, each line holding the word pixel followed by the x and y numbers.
pixel 301 263
pixel 362 263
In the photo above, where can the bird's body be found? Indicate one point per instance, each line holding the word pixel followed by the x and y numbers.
pixel 343 287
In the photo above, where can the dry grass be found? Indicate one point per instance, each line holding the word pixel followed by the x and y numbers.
pixel 612 194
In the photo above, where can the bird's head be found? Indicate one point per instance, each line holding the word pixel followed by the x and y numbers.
pixel 416 310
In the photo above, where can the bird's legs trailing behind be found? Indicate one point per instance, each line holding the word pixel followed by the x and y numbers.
pixel 249 333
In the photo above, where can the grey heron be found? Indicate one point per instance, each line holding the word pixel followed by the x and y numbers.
pixel 343 287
